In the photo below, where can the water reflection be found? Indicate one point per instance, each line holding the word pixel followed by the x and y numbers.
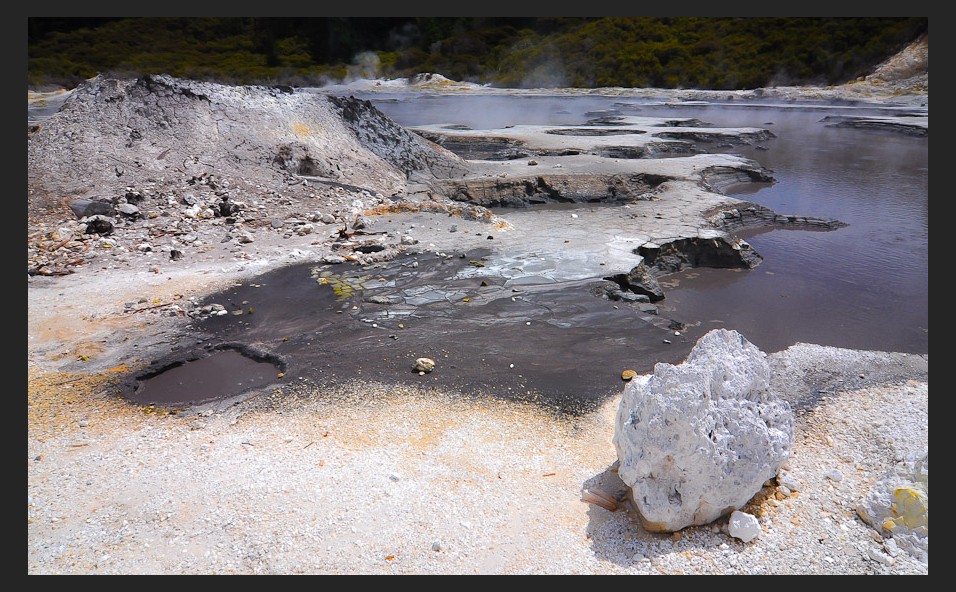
pixel 864 286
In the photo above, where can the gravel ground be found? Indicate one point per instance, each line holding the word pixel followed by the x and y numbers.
pixel 375 480
pixel 368 478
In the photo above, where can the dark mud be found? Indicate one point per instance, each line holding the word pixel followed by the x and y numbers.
pixel 554 343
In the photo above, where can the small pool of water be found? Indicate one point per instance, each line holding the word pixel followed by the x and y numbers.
pixel 221 375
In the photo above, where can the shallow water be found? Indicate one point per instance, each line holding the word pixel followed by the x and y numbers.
pixel 864 286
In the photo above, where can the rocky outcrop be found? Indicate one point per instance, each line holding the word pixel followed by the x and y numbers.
pixel 491 191
pixel 748 214
pixel 719 252
pixel 697 440
pixel 906 125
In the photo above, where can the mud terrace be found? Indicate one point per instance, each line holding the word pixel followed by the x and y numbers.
pixel 205 187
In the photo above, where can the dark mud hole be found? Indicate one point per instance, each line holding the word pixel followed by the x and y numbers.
pixel 556 344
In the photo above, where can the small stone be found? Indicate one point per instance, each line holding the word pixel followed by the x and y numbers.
pixel 878 556
pixel 436 546
pixel 744 526
pixel 424 365
pixel 789 481
pixel 834 475
pixel 628 374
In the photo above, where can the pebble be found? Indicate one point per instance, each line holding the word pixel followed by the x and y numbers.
pixel 744 526
pixel 834 475
pixel 878 556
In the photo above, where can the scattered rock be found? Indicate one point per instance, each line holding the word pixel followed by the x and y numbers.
pixel 91 207
pixel 128 210
pixel 99 224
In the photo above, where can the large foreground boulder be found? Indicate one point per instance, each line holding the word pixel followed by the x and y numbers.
pixel 697 440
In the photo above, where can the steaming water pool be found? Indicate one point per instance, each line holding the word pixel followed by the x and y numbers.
pixel 865 286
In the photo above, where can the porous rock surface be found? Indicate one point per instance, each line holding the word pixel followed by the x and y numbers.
pixel 697 440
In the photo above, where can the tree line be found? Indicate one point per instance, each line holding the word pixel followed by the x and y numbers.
pixel 720 53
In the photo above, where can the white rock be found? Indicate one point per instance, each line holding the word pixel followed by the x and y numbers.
pixel 787 480
pixel 878 556
pixel 897 506
pixel 699 439
pixel 834 475
pixel 744 526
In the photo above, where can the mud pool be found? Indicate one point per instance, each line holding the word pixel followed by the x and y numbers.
pixel 526 320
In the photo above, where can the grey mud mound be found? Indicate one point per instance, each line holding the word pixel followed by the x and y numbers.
pixel 111 134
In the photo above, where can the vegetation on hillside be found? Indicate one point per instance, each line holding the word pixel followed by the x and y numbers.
pixel 586 52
